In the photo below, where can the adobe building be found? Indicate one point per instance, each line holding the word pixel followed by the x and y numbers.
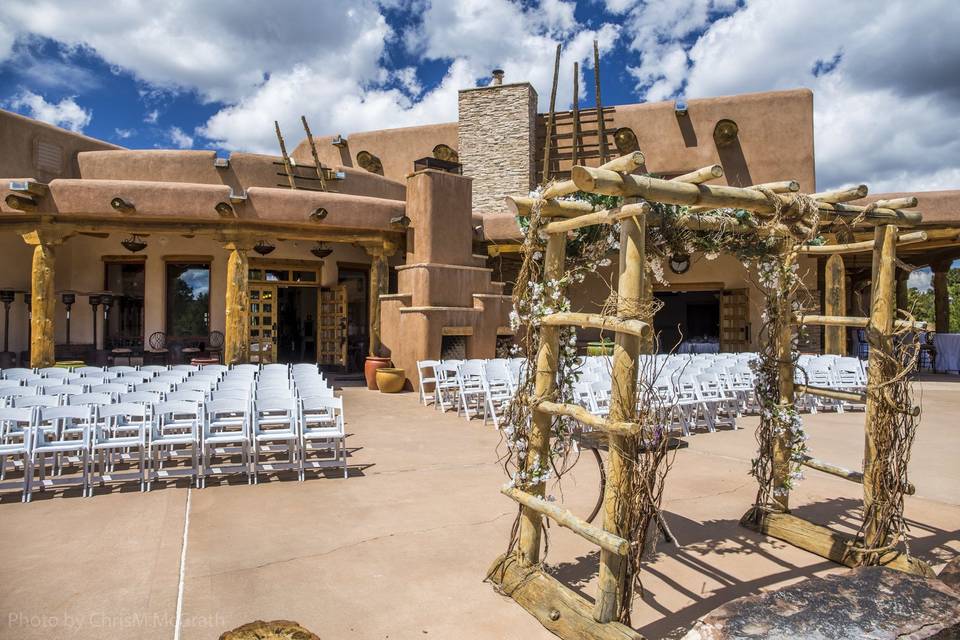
pixel 399 243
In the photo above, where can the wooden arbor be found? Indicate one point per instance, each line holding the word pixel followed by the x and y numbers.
pixel 709 208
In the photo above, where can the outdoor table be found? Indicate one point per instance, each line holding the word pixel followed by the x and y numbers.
pixel 948 351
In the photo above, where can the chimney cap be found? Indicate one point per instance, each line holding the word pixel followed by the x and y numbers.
pixel 498 76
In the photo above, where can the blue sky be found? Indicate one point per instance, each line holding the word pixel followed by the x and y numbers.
pixel 194 74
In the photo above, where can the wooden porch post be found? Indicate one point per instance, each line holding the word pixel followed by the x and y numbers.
pixel 784 344
pixel 379 284
pixel 623 408
pixel 236 343
pixel 43 296
pixel 879 368
pixel 941 296
pixel 835 304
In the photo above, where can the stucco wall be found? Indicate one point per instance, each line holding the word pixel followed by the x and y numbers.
pixel 497 139
pixel 19 137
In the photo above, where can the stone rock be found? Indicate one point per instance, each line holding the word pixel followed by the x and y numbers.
pixel 273 630
pixel 869 602
pixel 951 574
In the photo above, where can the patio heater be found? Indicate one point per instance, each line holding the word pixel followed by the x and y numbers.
pixel 7 296
pixel 94 303
pixel 68 300
pixel 106 299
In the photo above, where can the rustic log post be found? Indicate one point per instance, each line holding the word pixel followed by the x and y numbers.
pixel 43 296
pixel 379 284
pixel 835 304
pixel 236 343
pixel 879 368
pixel 623 408
pixel 545 386
pixel 648 340
pixel 784 344
pixel 548 138
pixel 941 296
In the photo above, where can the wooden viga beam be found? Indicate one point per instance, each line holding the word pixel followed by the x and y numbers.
pixel 584 417
pixel 596 321
pixel 860 247
pixel 560 610
pixel 715 196
pixel 563 517
pixel 842 195
pixel 856 322
pixel 701 175
pixel 846 474
pixel 607 216
pixel 626 164
pixel 826 543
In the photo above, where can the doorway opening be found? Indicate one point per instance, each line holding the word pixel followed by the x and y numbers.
pixel 297 324
pixel 355 280
pixel 689 321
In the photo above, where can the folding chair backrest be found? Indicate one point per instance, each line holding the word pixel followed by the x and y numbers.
pixel 186 395
pixel 131 410
pixel 18 392
pixel 36 401
pixel 187 368
pixel 319 403
pixel 315 392
pixel 143 397
pixel 154 387
pixel 95 399
pixel 110 387
pixel 218 368
pixel 273 404
pixel 50 414
pixel 122 370
pixel 177 410
pixel 9 384
pixel 13 420
pixel 153 369
pixel 43 383
pixel 55 372
pixel 83 371
pixel 20 374
pixel 197 384
pixel 230 394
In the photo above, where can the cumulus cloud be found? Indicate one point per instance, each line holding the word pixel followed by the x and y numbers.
pixel 123 134
pixel 66 113
pixel 151 116
pixel 885 113
pixel 921 279
pixel 180 139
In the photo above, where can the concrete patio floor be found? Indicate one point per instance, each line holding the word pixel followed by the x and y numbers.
pixel 400 549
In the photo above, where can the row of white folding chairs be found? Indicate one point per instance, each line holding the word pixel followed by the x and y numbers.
pixel 471 386
pixel 154 432
pixel 839 373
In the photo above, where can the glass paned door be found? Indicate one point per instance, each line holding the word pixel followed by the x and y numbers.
pixel 263 323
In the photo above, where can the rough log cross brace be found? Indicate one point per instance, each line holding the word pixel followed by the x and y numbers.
pixel 614 178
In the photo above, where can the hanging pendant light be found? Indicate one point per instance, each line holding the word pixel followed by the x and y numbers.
pixel 322 250
pixel 134 243
pixel 263 247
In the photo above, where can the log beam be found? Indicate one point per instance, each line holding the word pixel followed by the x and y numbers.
pixel 43 295
pixel 566 519
pixel 846 474
pixel 860 247
pixel 584 417
pixel 545 386
pixel 625 164
pixel 835 304
pixel 826 543
pixel 846 396
pixel 842 195
pixel 523 206
pixel 559 610
pixel 607 216
pixel 597 321
pixel 701 175
pixel 236 343
pixel 855 321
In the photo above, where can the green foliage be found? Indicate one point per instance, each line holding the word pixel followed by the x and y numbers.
pixel 921 303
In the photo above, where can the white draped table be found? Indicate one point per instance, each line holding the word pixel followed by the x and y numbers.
pixel 948 351
pixel 699 347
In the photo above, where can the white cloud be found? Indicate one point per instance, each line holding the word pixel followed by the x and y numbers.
pixel 151 116
pixel 179 138
pixel 407 77
pixel 66 113
pixel 921 279
pixel 884 113
pixel 123 134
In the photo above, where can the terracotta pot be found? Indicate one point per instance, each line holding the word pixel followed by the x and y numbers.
pixel 370 370
pixel 391 380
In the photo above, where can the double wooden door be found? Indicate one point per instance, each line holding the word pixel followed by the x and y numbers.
pixel 263 323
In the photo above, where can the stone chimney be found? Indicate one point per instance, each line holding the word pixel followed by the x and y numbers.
pixel 497 141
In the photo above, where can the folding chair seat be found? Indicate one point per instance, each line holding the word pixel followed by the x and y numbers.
pixel 122 370
pixel 322 424
pixel 174 429
pixel 274 421
pixel 16 439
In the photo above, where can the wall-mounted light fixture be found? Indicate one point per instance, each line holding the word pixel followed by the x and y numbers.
pixel 401 221
pixel 339 141
pixel 121 205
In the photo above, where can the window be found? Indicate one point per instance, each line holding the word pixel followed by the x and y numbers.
pixel 188 300
pixel 125 322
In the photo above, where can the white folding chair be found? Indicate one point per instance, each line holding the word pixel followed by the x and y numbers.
pixel 427 374
pixel 16 439
pixel 63 432
pixel 274 421
pixel 322 424
pixel 226 430
pixel 175 426
pixel 471 390
pixel 118 430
